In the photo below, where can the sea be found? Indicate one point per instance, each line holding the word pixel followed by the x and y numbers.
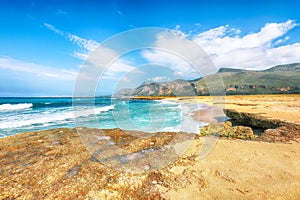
pixel 31 114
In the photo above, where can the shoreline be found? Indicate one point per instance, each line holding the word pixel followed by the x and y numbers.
pixel 57 164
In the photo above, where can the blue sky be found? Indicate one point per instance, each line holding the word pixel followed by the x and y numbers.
pixel 43 44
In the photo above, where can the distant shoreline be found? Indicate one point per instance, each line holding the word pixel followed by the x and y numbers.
pixel 145 97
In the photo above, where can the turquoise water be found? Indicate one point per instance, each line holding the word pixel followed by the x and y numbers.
pixel 28 114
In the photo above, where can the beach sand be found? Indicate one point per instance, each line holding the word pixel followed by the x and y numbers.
pixel 54 164
pixel 282 107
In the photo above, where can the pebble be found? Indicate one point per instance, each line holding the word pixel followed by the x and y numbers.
pixel 154 182
pixel 55 143
pixel 146 167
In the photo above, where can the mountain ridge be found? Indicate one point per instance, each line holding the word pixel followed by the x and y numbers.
pixel 280 79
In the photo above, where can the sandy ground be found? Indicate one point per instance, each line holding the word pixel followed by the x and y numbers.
pixel 282 107
pixel 237 169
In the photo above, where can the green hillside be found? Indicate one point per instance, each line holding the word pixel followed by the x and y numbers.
pixel 278 79
pixel 283 79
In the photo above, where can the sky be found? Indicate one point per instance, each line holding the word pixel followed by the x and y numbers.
pixel 47 47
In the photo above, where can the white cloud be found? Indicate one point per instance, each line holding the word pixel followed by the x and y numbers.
pixel 89 45
pixel 7 63
pixel 159 79
pixel 125 79
pixel 107 62
pixel 228 48
pixel 172 61
pixel 175 51
pixel 102 65
pixel 86 45
pixel 118 69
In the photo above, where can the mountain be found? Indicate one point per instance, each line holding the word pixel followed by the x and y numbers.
pixel 289 67
pixel 275 80
pixel 174 88
pixel 223 70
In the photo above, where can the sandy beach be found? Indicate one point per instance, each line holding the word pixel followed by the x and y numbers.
pixel 54 164
pixel 281 107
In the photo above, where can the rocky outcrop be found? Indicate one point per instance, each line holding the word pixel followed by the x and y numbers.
pixel 256 120
pixel 225 129
pixel 276 130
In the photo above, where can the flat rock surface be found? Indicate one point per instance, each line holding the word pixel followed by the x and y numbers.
pixel 54 164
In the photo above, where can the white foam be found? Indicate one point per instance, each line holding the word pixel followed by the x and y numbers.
pixel 188 124
pixel 166 102
pixel 104 109
pixel 35 119
pixel 94 111
pixel 46 117
pixel 20 106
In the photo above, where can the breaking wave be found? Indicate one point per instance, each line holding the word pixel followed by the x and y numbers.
pixel 20 106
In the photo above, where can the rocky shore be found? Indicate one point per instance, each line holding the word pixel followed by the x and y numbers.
pixel 55 164
pixel 275 130
pixel 63 163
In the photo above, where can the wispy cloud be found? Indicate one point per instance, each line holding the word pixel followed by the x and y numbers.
pixel 98 65
pixel 87 46
pixel 120 13
pixel 7 63
pixel 21 78
pixel 61 12
pixel 53 28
